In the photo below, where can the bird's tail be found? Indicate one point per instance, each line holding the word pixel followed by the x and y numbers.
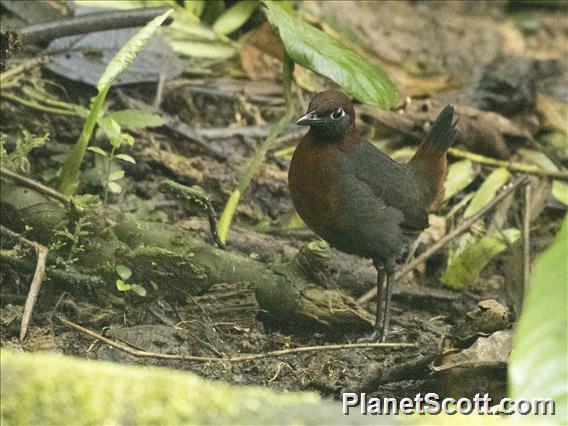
pixel 441 136
pixel 430 160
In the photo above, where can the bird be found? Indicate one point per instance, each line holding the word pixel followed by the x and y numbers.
pixel 359 199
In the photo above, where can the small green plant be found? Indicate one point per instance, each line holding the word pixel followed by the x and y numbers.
pixel 116 138
pixel 69 178
pixel 125 273
pixel 17 160
pixel 71 242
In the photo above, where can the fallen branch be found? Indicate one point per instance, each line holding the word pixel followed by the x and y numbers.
pixel 37 186
pixel 240 358
pixel 511 165
pixel 465 225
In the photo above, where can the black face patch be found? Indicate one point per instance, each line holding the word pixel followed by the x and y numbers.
pixel 333 126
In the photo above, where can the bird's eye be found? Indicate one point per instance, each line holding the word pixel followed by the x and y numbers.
pixel 337 114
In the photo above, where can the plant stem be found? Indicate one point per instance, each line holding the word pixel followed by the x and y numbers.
pixel 510 165
pixel 69 178
pixel 109 167
pixel 258 158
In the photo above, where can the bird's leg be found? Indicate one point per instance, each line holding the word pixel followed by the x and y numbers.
pixel 379 317
pixel 380 287
pixel 386 319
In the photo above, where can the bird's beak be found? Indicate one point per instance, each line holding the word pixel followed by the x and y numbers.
pixel 308 119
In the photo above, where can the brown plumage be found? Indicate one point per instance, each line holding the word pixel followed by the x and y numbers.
pixel 356 197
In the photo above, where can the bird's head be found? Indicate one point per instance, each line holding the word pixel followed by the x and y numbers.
pixel 330 116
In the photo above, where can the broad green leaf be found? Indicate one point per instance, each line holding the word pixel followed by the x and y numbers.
pixel 116 175
pixel 98 151
pixel 467 266
pixel 138 289
pixel 198 49
pixel 538 367
pixel 487 190
pixel 135 119
pixel 123 272
pixel 125 157
pixel 560 191
pixel 122 286
pixel 129 51
pixel 114 187
pixel 319 52
pixel 460 174
pixel 233 18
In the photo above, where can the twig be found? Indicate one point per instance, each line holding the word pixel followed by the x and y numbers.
pixel 93 22
pixel 413 369
pixel 443 242
pixel 511 165
pixel 526 239
pixel 241 358
pixel 198 196
pixel 37 186
pixel 37 280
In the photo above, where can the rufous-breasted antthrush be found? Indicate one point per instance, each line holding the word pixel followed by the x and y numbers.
pixel 360 200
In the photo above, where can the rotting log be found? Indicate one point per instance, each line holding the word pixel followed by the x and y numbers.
pixel 171 263
pixel 171 259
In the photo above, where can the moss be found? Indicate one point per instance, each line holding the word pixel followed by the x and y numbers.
pixel 53 389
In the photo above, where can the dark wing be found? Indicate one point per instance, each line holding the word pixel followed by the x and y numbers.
pixel 396 184
pixel 365 225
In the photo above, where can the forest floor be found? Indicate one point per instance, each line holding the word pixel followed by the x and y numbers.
pixel 503 68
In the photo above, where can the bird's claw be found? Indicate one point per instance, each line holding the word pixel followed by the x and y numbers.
pixel 376 337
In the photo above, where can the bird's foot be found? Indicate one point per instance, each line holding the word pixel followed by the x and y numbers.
pixel 378 336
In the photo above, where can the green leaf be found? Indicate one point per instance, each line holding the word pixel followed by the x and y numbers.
pixel 125 157
pixel 460 174
pixel 467 266
pixel 538 367
pixel 487 190
pixel 114 187
pixel 109 126
pixel 138 289
pixel 560 191
pixel 129 51
pixel 123 272
pixel 116 175
pixel 98 151
pixel 559 188
pixel 136 119
pixel 122 286
pixel 317 51
pixel 198 49
pixel 233 18
pixel 195 7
